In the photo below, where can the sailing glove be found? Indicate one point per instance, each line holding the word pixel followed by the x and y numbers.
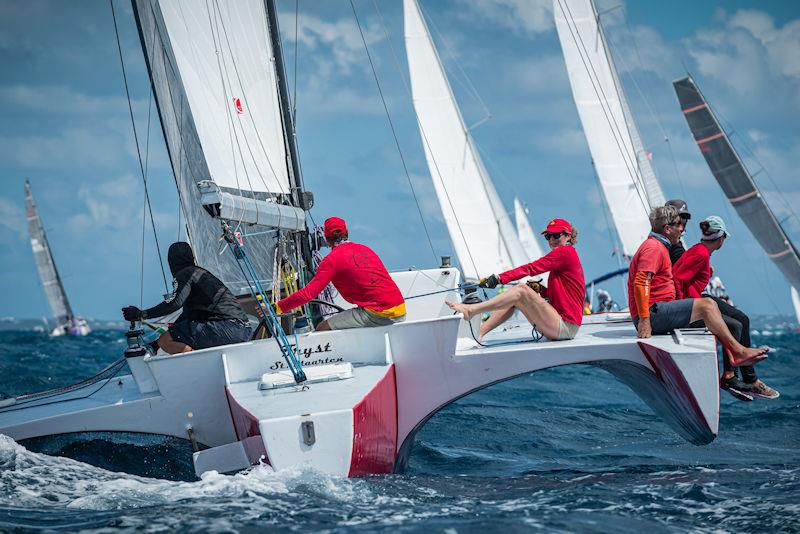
pixel 132 313
pixel 489 282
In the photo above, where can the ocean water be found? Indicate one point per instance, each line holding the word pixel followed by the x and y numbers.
pixel 565 449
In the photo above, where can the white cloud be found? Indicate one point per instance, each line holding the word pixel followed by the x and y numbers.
pixel 523 17
pixel 12 217
pixel 59 99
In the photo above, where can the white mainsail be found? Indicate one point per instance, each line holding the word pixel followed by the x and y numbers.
pixel 481 230
pixel 796 303
pixel 611 134
pixel 527 237
pixel 213 70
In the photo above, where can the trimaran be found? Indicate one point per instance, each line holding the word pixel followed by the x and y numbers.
pixel 66 321
pixel 343 402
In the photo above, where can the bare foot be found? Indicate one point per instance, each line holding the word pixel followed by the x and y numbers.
pixel 461 308
pixel 749 356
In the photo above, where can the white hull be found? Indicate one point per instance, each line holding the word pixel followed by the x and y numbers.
pixel 401 376
pixel 76 327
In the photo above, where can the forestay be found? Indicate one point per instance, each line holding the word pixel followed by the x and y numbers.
pixel 51 281
pixel 602 109
pixel 213 72
pixel 481 231
pixel 736 182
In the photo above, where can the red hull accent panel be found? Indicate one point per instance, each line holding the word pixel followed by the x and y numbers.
pixel 244 423
pixel 375 429
pixel 671 376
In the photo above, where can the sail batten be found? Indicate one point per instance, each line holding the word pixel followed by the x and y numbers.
pixel 48 273
pixel 614 141
pixel 480 229
pixel 736 181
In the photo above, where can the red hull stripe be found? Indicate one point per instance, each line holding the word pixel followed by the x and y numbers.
pixel 375 429
pixel 710 138
pixel 244 423
pixel 672 377
pixel 694 108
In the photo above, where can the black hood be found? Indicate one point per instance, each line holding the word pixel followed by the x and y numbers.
pixel 180 256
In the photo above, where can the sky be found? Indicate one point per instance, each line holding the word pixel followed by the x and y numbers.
pixel 65 125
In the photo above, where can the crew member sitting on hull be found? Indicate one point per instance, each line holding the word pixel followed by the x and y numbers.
pixel 359 276
pixel 651 292
pixel 691 274
pixel 211 315
pixel 558 319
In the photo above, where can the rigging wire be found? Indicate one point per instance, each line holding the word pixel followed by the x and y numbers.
pixel 294 80
pixel 394 133
pixel 138 151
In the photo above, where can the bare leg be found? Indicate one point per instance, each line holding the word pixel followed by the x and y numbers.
pixel 322 326
pixel 706 310
pixel 537 310
pixel 171 346
pixel 495 319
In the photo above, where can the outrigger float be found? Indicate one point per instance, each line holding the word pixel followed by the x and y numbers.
pixel 368 391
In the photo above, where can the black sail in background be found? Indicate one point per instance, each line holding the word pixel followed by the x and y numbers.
pixel 735 180
pixel 51 281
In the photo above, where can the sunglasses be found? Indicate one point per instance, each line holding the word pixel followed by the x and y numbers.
pixel 549 236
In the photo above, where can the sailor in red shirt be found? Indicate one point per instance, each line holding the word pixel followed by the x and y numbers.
pixel 359 276
pixel 651 292
pixel 558 319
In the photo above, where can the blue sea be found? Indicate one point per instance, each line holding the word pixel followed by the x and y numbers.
pixel 566 449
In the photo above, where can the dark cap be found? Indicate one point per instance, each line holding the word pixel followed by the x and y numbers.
pixel 680 205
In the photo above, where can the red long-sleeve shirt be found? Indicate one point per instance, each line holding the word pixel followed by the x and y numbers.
pixel 359 276
pixel 566 285
pixel 692 272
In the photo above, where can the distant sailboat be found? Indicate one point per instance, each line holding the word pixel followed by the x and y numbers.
pixel 483 236
pixel 527 237
pixel 66 322
pixel 738 185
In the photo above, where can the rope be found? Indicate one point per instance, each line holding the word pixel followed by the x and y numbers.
pixel 394 133
pixel 138 151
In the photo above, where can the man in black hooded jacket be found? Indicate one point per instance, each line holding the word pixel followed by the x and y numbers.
pixel 211 314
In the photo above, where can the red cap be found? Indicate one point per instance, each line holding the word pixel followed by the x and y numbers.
pixel 335 226
pixel 557 225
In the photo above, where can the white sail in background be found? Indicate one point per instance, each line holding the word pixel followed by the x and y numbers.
pixel 213 70
pixel 48 273
pixel 796 303
pixel 481 231
pixel 602 110
pixel 527 237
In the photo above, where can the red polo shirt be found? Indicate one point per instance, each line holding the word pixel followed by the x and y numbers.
pixel 566 287
pixel 692 272
pixel 359 276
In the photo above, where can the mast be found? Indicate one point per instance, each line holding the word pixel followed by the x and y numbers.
pixel 736 181
pixel 48 273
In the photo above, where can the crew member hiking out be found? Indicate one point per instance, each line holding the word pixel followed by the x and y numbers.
pixel 692 273
pixel 558 319
pixel 651 292
pixel 361 279
pixel 211 315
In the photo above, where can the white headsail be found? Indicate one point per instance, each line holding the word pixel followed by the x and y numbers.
pixel 481 230
pixel 213 70
pixel 613 139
